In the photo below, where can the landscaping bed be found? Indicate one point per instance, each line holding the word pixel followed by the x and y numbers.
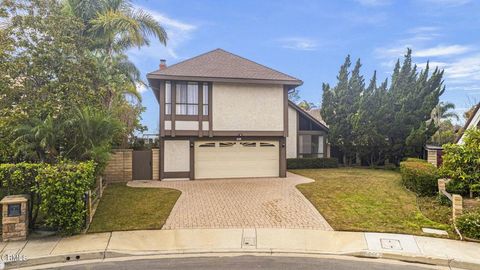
pixel 126 208
pixel 356 199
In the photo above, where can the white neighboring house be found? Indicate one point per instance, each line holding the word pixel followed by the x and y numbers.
pixel 472 122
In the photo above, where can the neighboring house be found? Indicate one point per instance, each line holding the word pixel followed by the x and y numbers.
pixel 223 116
pixel 472 122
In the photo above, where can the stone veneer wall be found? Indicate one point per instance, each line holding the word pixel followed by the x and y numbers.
pixel 119 167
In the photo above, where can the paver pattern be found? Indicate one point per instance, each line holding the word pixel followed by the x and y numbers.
pixel 240 203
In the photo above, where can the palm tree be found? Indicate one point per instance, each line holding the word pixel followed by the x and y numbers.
pixel 307 106
pixel 38 139
pixel 115 26
pixel 444 111
pixel 92 133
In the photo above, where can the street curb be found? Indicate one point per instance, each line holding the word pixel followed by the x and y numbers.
pixel 101 255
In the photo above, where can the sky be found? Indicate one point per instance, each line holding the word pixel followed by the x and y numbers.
pixel 310 39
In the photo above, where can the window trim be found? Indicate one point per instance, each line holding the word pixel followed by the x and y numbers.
pixel 185 117
pixel 187 104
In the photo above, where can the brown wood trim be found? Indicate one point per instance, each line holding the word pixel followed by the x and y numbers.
pixel 161 158
pixel 162 108
pixel 177 174
pixel 210 110
pixel 200 108
pixel 311 132
pixel 285 110
pixel 283 157
pixel 188 133
pixel 231 80
pixel 179 117
pixel 173 85
pixel 235 134
pixel 304 113
pixel 242 133
pixel 192 158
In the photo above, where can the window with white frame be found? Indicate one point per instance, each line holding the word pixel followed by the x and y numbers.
pixel 186 98
pixel 168 98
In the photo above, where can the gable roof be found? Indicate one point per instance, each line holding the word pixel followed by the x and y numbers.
pixel 220 65
pixel 306 114
pixel 473 121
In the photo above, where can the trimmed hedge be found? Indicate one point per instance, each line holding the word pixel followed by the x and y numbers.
pixel 311 163
pixel 469 225
pixel 57 190
pixel 419 176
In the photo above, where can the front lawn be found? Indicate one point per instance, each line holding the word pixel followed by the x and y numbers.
pixel 355 199
pixel 125 208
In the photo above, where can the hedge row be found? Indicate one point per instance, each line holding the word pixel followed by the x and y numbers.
pixel 57 190
pixel 311 163
pixel 419 176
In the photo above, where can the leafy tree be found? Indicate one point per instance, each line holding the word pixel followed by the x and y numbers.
pixel 461 162
pixel 442 116
pixel 304 104
pixel 294 95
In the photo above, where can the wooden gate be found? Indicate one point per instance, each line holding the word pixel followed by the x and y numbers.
pixel 142 165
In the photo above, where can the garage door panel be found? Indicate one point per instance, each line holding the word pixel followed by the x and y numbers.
pixel 237 159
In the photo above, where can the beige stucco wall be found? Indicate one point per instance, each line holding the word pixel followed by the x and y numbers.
pixel 292 133
pixel 247 107
pixel 186 125
pixel 177 156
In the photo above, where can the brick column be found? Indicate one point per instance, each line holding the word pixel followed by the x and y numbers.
pixel 457 206
pixel 442 185
pixel 155 164
pixel 15 217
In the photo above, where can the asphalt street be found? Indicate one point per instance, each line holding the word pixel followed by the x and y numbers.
pixel 252 262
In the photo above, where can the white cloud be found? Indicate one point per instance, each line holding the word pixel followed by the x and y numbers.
pixel 141 88
pixel 178 33
pixel 373 3
pixel 442 51
pixel 298 43
pixel 465 68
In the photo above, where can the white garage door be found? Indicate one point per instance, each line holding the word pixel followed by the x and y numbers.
pixel 231 159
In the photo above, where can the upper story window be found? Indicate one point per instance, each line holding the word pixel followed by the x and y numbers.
pixel 168 98
pixel 205 98
pixel 186 99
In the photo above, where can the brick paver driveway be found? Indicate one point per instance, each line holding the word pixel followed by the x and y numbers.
pixel 240 203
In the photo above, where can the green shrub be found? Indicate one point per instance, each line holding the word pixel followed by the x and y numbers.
pixel 419 176
pixel 443 200
pixel 62 188
pixel 19 178
pixel 469 225
pixel 311 163
pixel 456 186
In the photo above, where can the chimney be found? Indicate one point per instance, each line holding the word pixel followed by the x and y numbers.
pixel 163 64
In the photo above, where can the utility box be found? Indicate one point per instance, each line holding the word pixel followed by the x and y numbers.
pixel 15 217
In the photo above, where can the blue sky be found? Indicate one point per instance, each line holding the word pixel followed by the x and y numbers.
pixel 310 39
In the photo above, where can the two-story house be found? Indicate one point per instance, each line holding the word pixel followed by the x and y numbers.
pixel 224 116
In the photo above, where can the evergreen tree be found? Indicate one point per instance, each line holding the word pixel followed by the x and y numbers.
pixel 382 122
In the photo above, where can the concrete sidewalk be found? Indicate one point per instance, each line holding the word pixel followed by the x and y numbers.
pixel 196 242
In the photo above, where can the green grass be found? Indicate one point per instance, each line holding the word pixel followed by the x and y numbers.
pixel 126 208
pixel 355 199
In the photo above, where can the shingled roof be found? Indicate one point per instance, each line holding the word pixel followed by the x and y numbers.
pixel 220 65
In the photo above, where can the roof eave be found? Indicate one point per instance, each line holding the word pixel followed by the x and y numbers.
pixel 294 83
pixel 306 114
